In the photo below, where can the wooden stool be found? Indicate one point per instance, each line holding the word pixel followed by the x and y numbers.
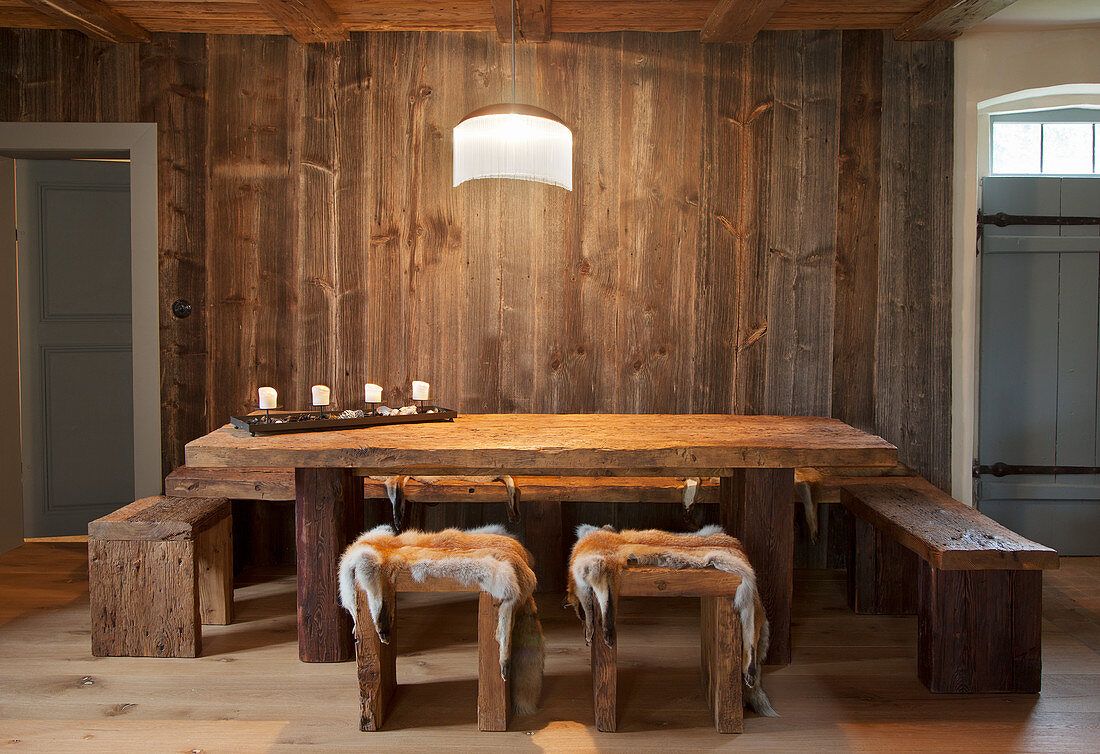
pixel 377 662
pixel 720 638
pixel 157 570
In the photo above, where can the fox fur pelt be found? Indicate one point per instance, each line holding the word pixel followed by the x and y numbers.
pixel 600 555
pixel 487 558
pixel 395 491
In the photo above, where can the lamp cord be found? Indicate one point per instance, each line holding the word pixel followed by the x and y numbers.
pixel 513 4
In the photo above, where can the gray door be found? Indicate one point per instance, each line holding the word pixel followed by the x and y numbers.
pixel 1040 328
pixel 76 376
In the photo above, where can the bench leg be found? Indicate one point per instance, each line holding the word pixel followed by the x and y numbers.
pixel 261 543
pixel 144 599
pixel 882 575
pixel 720 648
pixel 376 511
pixel 493 702
pixel 757 507
pixel 415 515
pixel 979 631
pixel 214 561
pixel 542 536
pixel 376 664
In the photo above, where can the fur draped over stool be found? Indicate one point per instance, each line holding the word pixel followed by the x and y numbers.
pixel 600 555
pixel 488 558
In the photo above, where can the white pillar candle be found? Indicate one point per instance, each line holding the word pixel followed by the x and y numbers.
pixel 420 390
pixel 373 393
pixel 321 395
pixel 269 398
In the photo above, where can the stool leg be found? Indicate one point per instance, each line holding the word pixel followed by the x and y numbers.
pixel 706 647
pixel 720 641
pixel 492 690
pixel 214 561
pixel 604 689
pixel 376 663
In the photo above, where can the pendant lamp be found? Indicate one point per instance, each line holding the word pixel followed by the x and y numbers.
pixel 507 140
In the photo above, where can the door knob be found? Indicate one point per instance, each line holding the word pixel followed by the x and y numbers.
pixel 181 308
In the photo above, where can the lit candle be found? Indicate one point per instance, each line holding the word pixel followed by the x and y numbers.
pixel 420 390
pixel 373 393
pixel 268 397
pixel 321 395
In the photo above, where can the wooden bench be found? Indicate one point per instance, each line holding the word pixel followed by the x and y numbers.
pixel 541 498
pixel 157 570
pixel 975 585
pixel 720 640
pixel 278 484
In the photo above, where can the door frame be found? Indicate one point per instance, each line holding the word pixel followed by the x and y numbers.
pixel 138 141
pixel 972 161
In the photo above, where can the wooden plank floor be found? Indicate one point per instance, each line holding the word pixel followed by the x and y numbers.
pixel 852 685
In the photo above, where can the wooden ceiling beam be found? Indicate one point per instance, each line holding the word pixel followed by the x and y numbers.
pixel 532 19
pixel 947 19
pixel 738 20
pixel 92 18
pixel 306 20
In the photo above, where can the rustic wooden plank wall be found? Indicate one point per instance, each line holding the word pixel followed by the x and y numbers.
pixel 173 95
pixel 857 249
pixel 913 344
pixel 754 228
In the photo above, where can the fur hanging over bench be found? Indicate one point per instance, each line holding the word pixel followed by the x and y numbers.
pixel 395 491
pixel 488 558
pixel 601 554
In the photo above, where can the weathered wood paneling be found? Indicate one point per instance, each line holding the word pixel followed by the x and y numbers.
pixel 314 248
pixel 731 318
pixel 747 233
pixel 857 240
pixel 913 359
pixel 801 229
pixel 66 76
pixel 351 175
pixel 173 95
pixel 253 128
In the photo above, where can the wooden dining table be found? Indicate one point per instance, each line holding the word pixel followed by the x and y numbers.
pixel 754 456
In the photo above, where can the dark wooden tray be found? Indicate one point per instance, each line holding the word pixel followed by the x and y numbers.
pixel 257 423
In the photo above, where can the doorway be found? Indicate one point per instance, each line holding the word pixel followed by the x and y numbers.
pixel 75 355
pixel 66 141
pixel 1039 384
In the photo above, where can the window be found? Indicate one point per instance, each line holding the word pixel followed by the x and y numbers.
pixel 1046 142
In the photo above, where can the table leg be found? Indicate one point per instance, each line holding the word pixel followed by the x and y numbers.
pixel 756 506
pixel 328 514
pixel 542 536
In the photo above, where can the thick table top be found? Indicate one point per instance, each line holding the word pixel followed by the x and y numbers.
pixel 560 444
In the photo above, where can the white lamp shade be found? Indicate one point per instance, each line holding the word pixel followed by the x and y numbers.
pixel 513 141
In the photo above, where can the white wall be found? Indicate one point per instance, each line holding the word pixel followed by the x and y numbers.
pixel 989 65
